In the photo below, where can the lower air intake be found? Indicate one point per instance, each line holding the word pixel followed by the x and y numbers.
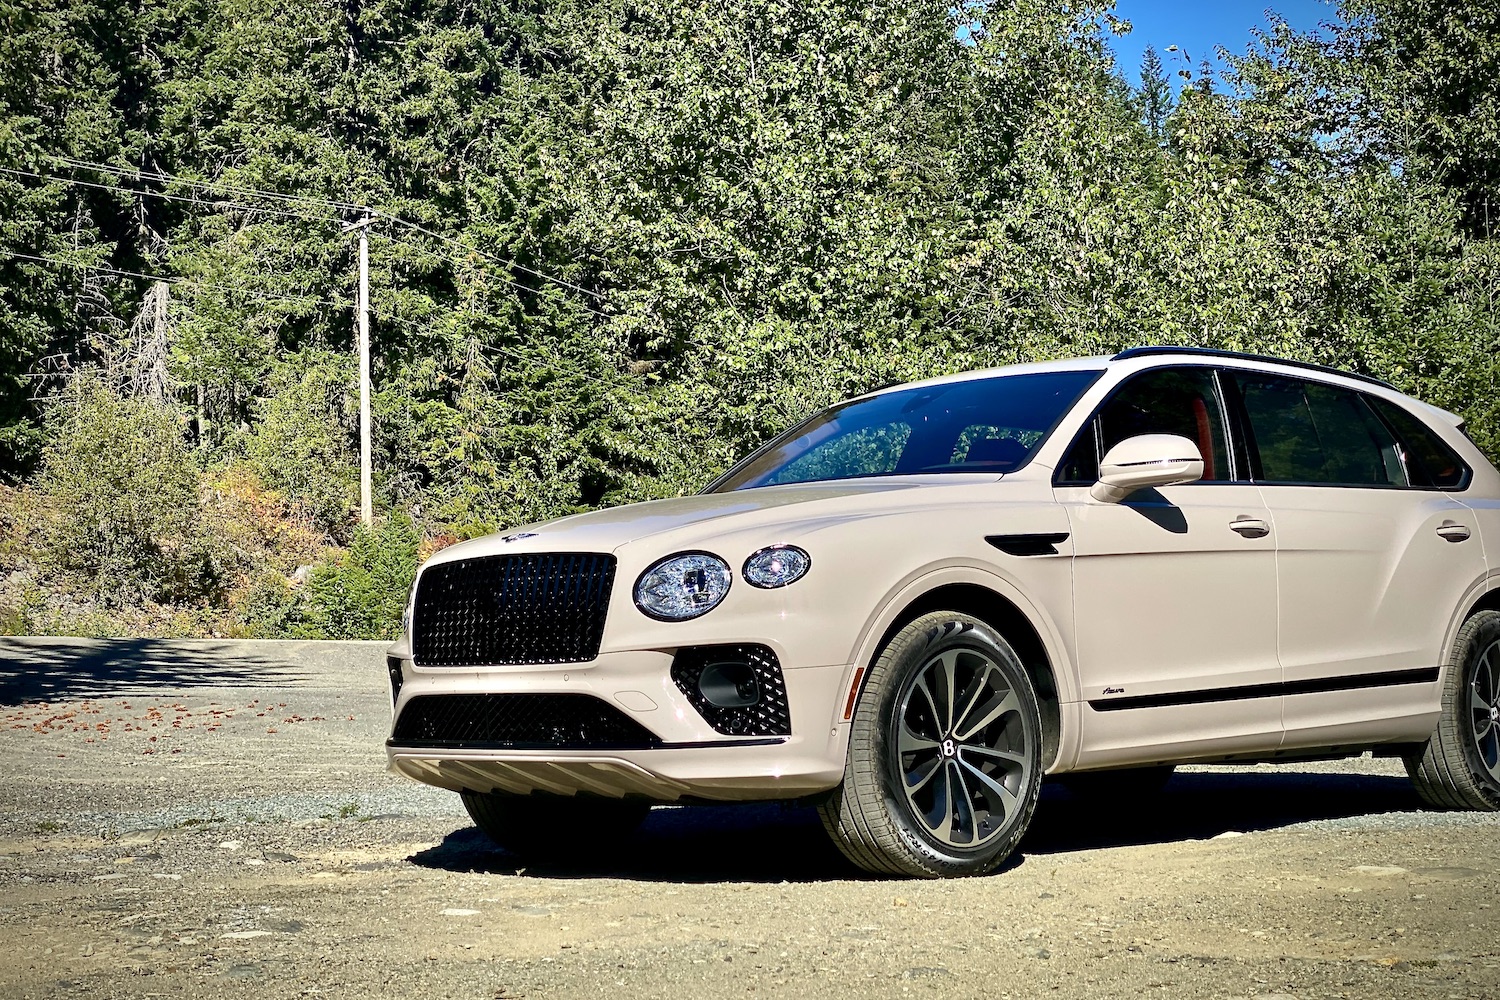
pixel 739 690
pixel 519 722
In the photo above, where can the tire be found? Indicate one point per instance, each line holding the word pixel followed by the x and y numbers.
pixel 894 814
pixel 1459 765
pixel 1119 787
pixel 554 827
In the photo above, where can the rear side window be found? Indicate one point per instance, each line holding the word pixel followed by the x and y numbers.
pixel 1308 432
pixel 1430 463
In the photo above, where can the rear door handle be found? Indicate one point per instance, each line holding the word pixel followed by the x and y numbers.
pixel 1453 532
pixel 1250 527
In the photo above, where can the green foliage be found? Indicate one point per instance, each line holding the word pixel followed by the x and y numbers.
pixel 652 235
pixel 301 445
pixel 362 593
pixel 116 507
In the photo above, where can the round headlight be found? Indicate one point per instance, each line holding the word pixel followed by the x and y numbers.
pixel 683 586
pixel 777 566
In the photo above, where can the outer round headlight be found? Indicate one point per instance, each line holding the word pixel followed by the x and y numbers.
pixel 776 566
pixel 683 586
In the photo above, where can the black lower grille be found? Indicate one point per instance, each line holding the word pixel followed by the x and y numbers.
pixel 768 715
pixel 534 607
pixel 519 722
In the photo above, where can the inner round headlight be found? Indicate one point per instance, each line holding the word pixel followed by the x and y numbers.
pixel 777 566
pixel 683 586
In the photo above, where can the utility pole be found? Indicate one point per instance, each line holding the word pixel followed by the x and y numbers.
pixel 362 305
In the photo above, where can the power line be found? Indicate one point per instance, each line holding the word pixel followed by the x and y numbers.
pixel 514 354
pixel 163 195
pixel 494 257
pixel 499 277
pixel 165 178
pixel 391 217
pixel 240 290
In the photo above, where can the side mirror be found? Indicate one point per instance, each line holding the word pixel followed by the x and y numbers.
pixel 1145 462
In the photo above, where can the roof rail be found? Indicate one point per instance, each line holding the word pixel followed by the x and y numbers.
pixel 1141 352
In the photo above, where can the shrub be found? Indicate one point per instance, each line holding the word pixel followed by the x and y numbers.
pixel 116 511
pixel 362 593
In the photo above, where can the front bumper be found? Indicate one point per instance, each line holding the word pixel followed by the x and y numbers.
pixel 691 761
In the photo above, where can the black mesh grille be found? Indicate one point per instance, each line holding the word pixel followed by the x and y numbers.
pixel 769 716
pixel 520 721
pixel 529 608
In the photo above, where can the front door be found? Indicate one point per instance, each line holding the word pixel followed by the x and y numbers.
pixel 1174 589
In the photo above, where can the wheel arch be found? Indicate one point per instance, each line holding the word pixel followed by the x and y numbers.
pixel 1483 596
pixel 1007 618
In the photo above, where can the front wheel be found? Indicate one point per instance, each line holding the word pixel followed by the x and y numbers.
pixel 1459 765
pixel 944 764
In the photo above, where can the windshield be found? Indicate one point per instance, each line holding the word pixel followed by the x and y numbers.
pixel 990 425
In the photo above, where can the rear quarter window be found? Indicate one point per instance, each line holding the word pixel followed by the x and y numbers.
pixel 1430 463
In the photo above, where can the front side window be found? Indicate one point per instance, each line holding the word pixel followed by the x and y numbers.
pixel 1308 432
pixel 1181 401
pixel 986 425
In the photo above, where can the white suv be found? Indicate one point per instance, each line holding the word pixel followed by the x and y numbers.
pixel 914 605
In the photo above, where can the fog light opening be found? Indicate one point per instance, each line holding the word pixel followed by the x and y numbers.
pixel 729 684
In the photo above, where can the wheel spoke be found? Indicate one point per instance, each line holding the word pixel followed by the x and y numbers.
pixel 937 717
pixel 914 742
pixel 924 773
pixel 1006 798
pixel 1478 704
pixel 949 661
pixel 939 819
pixel 1009 703
pixel 976 690
pixel 1489 750
pixel 963 811
pixel 1007 757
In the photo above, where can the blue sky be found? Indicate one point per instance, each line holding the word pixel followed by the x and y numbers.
pixel 1197 27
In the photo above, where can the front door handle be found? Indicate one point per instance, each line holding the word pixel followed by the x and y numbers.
pixel 1453 532
pixel 1250 527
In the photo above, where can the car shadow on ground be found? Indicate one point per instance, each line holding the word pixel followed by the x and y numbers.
pixel 57 669
pixel 786 843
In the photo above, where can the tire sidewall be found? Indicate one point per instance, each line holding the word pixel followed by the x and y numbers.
pixel 910 656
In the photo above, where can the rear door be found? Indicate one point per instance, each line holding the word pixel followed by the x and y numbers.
pixel 1372 560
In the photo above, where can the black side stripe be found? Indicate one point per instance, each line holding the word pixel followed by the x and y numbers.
pixel 1314 685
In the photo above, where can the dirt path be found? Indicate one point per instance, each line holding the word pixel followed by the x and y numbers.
pixel 230 831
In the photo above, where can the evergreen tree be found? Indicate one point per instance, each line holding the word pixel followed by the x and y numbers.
pixel 1155 94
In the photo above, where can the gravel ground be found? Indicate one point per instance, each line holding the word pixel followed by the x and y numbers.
pixel 210 819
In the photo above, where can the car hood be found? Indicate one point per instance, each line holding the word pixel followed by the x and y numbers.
pixel 609 529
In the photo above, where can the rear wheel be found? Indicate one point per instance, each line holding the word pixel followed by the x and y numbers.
pixel 1459 765
pixel 944 763
pixel 554 827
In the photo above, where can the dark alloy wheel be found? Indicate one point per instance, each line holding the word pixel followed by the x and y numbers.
pixel 1484 709
pixel 1459 765
pixel 944 763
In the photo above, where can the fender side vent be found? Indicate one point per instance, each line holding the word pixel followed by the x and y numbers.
pixel 1028 545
